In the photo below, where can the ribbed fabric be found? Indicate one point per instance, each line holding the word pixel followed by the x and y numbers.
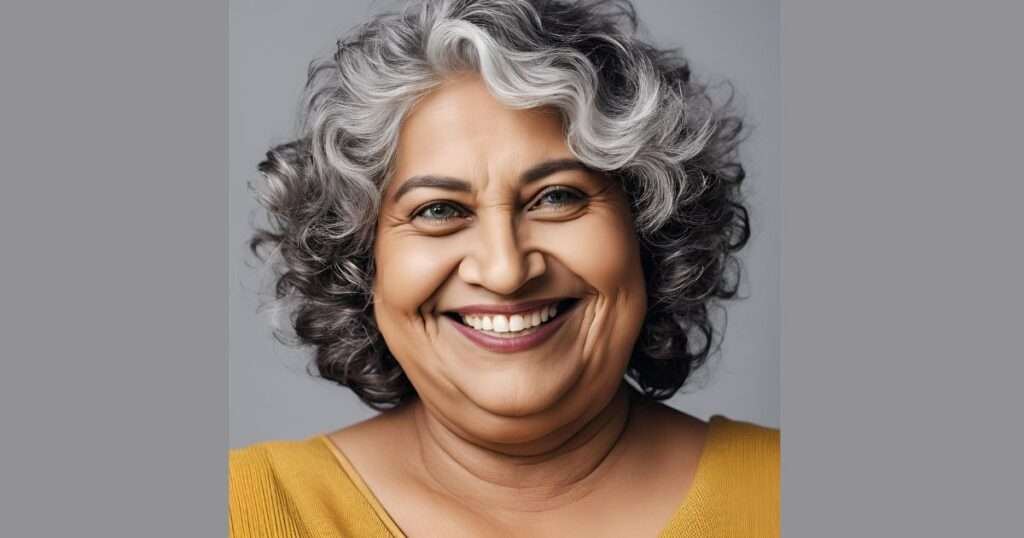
pixel 309 489
pixel 736 489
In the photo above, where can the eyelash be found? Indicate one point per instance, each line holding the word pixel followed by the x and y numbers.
pixel 576 195
pixel 428 207
pixel 573 193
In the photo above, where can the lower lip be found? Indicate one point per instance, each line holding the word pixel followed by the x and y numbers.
pixel 511 344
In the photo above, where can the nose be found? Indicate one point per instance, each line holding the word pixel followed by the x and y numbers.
pixel 496 259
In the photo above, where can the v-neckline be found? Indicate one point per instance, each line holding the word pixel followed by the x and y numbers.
pixel 364 489
pixel 684 512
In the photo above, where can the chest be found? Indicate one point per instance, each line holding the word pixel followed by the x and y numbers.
pixel 640 507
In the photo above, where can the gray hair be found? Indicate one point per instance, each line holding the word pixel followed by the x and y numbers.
pixel 629 110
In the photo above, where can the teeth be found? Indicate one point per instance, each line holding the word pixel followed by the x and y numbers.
pixel 510 324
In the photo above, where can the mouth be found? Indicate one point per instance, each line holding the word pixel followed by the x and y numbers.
pixel 516 332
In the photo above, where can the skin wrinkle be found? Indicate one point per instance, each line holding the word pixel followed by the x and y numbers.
pixel 537 431
pixel 533 174
pixel 573 487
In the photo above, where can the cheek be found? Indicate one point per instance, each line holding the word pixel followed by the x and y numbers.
pixel 603 251
pixel 408 274
pixel 600 249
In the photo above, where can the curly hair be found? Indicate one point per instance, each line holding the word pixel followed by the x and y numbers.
pixel 629 109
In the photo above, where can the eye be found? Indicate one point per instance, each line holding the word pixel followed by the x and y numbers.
pixel 439 212
pixel 559 197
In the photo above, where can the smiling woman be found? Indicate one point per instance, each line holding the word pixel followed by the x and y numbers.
pixel 508 241
pixel 501 211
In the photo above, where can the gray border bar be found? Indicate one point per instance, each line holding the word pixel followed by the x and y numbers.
pixel 114 325
pixel 901 269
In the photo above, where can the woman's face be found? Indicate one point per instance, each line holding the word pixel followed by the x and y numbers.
pixel 487 207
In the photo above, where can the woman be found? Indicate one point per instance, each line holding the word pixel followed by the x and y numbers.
pixel 497 213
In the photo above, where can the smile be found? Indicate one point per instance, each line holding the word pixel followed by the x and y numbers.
pixel 516 332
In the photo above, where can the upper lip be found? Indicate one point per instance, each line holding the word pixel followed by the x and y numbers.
pixel 506 309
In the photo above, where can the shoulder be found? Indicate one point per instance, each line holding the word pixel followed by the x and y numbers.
pixel 734 489
pixel 283 462
pixel 740 476
pixel 745 441
pixel 279 488
pixel 725 450
pixel 373 445
pixel 262 487
pixel 743 454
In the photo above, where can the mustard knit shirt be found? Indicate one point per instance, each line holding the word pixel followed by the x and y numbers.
pixel 308 489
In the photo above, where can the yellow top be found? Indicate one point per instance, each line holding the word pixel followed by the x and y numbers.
pixel 309 489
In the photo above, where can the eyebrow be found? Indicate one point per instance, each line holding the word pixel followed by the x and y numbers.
pixel 536 172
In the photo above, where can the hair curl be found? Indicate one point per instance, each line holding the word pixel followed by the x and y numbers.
pixel 630 110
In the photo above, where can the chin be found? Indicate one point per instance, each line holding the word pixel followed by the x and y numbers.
pixel 521 394
pixel 520 408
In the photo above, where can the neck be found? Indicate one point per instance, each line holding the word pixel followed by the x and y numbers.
pixel 556 470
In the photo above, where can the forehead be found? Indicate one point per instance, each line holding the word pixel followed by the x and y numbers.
pixel 461 130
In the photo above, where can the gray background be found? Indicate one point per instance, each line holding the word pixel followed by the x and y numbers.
pixel 271 42
pixel 901 268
